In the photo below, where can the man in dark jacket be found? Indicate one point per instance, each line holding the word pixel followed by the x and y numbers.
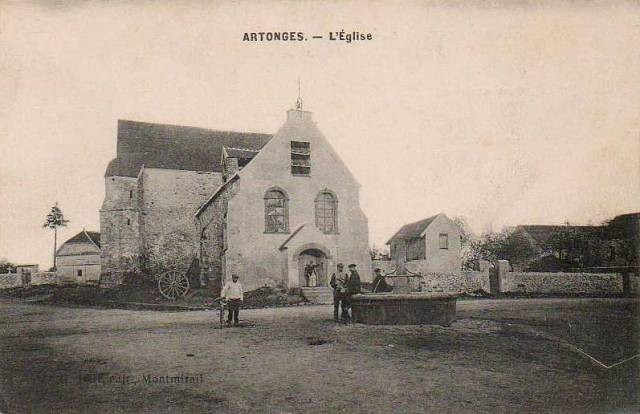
pixel 380 285
pixel 338 283
pixel 353 288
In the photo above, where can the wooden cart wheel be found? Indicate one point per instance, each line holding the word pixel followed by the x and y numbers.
pixel 173 284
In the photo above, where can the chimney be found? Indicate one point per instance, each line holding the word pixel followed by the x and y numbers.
pixel 299 115
pixel 230 167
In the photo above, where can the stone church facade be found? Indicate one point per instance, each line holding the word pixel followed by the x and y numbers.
pixel 292 204
pixel 263 206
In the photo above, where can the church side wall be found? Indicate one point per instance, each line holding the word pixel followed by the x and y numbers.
pixel 212 225
pixel 169 232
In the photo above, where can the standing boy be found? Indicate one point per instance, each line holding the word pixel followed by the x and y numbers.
pixel 233 293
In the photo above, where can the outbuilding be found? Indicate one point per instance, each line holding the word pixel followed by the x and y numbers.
pixel 78 259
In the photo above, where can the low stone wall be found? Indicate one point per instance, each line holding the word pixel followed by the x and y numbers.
pixel 387 266
pixel 45 278
pixel 10 280
pixel 562 283
pixel 461 282
pixel 451 282
pixel 14 280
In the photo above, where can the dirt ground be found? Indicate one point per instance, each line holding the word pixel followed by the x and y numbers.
pixel 501 356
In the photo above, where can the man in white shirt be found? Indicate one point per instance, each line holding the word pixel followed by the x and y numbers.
pixel 233 293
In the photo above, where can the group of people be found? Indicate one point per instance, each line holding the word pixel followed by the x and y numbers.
pixel 344 285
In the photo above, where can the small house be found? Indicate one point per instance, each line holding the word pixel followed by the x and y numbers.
pixel 78 259
pixel 434 240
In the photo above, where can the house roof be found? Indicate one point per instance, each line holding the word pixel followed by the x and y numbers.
pixel 216 193
pixel 542 233
pixel 175 147
pixel 413 230
pixel 624 225
pixel 85 237
pixel 240 153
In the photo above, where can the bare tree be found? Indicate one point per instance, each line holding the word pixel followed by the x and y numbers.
pixel 55 219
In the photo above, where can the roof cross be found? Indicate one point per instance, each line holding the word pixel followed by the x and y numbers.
pixel 299 101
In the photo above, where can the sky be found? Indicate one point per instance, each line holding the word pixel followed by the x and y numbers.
pixel 504 113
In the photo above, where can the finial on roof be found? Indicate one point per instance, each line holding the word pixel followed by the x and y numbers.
pixel 299 101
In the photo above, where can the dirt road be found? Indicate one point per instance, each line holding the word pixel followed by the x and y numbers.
pixel 500 356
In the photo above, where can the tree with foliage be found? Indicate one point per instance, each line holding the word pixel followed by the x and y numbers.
pixel 503 245
pixel 578 246
pixel 379 253
pixel 467 244
pixel 6 266
pixel 55 219
pixel 623 235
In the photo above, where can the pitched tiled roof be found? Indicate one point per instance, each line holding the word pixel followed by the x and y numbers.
pixel 624 225
pixel 86 237
pixel 241 153
pixel 542 233
pixel 175 147
pixel 413 230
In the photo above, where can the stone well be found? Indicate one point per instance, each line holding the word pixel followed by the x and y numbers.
pixel 416 308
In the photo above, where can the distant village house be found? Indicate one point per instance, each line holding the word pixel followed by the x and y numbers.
pixel 612 245
pixel 78 259
pixel 434 240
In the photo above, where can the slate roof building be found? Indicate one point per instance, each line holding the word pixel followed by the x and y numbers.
pixel 78 259
pixel 161 175
pixel 260 205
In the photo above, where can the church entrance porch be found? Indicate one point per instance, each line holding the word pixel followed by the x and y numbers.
pixel 312 268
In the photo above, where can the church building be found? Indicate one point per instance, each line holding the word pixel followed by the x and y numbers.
pixel 266 207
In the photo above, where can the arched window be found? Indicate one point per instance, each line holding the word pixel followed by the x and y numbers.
pixel 327 212
pixel 276 212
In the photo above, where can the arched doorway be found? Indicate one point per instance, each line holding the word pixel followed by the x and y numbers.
pixel 312 268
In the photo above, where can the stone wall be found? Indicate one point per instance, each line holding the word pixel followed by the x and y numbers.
pixel 14 280
pixel 562 283
pixel 45 278
pixel 147 223
pixel 458 282
pixel 119 227
pixel 168 228
pixel 387 266
pixel 10 280
pixel 449 282
pixel 212 225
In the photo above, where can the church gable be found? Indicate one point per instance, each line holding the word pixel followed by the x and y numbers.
pixel 299 152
